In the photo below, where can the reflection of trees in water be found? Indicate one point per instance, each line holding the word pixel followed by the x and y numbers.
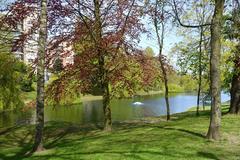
pixel 92 112
pixel 142 111
pixel 5 119
pixel 12 118
pixel 148 111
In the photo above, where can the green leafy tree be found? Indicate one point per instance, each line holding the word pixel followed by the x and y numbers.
pixel 196 38
pixel 10 77
pixel 232 34
pixel 149 52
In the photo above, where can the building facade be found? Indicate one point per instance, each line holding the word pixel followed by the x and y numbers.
pixel 28 51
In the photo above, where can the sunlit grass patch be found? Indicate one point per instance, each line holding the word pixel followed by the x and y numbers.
pixel 183 137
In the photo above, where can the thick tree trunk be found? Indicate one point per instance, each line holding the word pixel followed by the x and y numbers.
pixel 235 84
pixel 38 144
pixel 235 95
pixel 102 71
pixel 199 70
pixel 215 118
pixel 107 109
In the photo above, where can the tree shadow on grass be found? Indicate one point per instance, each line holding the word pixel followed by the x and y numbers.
pixel 126 154
pixel 128 126
pixel 184 130
pixel 55 133
pixel 20 140
pixel 21 137
pixel 9 129
pixel 208 155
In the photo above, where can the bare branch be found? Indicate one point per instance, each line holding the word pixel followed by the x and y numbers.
pixel 186 25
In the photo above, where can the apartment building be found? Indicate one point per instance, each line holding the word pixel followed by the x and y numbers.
pixel 28 52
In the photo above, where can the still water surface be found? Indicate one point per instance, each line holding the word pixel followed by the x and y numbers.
pixel 123 109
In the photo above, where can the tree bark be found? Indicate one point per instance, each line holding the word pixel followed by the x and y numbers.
pixel 160 37
pixel 235 85
pixel 235 95
pixel 38 143
pixel 199 70
pixel 107 109
pixel 215 117
pixel 104 84
pixel 166 86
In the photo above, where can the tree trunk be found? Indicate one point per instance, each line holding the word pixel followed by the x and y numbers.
pixel 235 95
pixel 166 86
pixel 38 144
pixel 199 70
pixel 215 117
pixel 160 37
pixel 206 48
pixel 235 84
pixel 102 71
pixel 107 109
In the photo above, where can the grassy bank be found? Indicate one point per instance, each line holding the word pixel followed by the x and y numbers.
pixel 207 107
pixel 154 138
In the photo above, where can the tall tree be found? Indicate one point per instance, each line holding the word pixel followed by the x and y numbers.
pixel 104 83
pixel 215 86
pixel 200 12
pixel 38 141
pixel 106 33
pixel 159 19
pixel 215 118
pixel 203 16
pixel 232 32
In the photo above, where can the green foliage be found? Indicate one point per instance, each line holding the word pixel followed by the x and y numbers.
pixel 26 84
pixel 26 78
pixel 6 39
pixel 10 77
pixel 227 61
pixel 231 46
pixel 58 66
pixel 130 82
pixel 62 89
pixel 175 88
pixel 126 75
pixel 184 83
pixel 149 52
pixel 188 59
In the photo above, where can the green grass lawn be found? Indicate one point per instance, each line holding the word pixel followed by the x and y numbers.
pixel 153 138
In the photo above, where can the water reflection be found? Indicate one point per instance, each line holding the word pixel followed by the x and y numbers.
pixel 92 112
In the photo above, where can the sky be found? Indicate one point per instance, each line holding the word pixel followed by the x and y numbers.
pixel 170 38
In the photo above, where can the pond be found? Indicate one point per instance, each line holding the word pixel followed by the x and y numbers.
pixel 122 109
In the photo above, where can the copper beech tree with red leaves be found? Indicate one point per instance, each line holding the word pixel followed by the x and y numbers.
pixel 104 37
